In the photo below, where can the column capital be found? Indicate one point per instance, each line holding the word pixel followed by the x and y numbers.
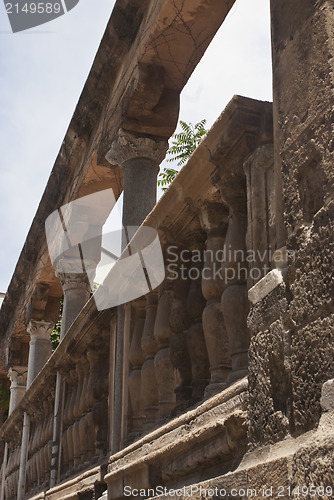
pixel 128 147
pixel 18 376
pixel 40 329
pixel 71 281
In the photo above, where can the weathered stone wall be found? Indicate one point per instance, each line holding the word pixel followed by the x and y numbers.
pixel 292 347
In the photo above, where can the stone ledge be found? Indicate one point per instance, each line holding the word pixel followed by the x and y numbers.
pixel 211 433
pixel 82 483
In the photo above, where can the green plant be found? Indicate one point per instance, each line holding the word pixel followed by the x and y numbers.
pixel 55 335
pixel 183 144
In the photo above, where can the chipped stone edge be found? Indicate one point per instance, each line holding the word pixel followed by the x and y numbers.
pixel 265 286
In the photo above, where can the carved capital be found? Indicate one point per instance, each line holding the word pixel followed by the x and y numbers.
pixel 40 329
pixel 128 147
pixel 18 376
pixel 69 281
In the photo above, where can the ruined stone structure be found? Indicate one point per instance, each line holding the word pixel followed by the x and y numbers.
pixel 220 381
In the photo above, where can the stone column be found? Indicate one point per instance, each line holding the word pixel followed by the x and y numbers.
pixel 139 159
pixel 18 379
pixel 40 347
pixel 76 289
pixel 214 220
pixel 149 347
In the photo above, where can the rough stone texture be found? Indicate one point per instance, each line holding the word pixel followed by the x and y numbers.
pixel 310 273
pixel 272 307
pixel 268 386
pixel 312 354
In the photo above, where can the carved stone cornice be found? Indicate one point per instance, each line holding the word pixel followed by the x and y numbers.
pixel 40 329
pixel 128 147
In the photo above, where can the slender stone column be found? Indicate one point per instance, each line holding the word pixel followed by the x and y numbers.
pixel 18 379
pixel 139 159
pixel 40 347
pixel 76 289
pixel 214 219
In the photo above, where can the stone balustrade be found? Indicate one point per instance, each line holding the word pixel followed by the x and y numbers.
pixel 184 342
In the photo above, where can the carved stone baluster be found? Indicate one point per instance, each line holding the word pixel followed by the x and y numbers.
pixel 78 444
pixel 163 367
pixel 136 359
pixel 93 381
pixel 235 305
pixel 214 220
pixel 195 336
pixel 66 442
pixel 179 355
pixel 83 406
pixel 149 347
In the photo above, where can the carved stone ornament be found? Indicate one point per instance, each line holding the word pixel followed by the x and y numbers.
pixel 128 147
pixel 40 329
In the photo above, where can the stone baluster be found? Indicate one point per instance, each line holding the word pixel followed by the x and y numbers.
pixel 195 336
pixel 18 379
pixel 136 359
pixel 78 443
pixel 179 355
pixel 214 220
pixel 163 334
pixel 83 409
pixel 235 305
pixel 67 445
pixel 149 388
pixel 93 382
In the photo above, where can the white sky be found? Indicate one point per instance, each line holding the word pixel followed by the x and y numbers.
pixel 43 71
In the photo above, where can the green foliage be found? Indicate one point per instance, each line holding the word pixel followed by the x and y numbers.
pixel 55 335
pixel 183 145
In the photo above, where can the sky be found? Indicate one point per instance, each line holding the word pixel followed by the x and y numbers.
pixel 43 71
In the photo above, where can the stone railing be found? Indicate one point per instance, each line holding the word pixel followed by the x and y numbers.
pixel 184 343
pixel 82 358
